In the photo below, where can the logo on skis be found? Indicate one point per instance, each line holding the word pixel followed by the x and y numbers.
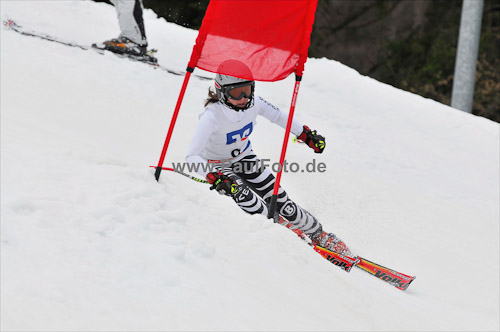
pixel 390 279
pixel 339 263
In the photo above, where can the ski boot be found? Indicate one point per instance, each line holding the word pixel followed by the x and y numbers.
pixel 124 46
pixel 331 242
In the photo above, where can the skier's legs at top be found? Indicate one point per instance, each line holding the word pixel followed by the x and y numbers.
pixel 131 21
pixel 132 39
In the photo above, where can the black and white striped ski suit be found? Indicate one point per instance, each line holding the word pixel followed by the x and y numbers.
pixel 256 185
pixel 222 138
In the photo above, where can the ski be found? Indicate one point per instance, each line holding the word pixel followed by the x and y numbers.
pixel 399 280
pixel 148 59
pixel 345 262
pixel 396 279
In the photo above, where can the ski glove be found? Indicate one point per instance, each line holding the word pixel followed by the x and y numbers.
pixel 222 183
pixel 313 140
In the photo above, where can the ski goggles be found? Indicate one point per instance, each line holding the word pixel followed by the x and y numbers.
pixel 239 91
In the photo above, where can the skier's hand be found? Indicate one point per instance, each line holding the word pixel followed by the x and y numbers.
pixel 313 140
pixel 222 183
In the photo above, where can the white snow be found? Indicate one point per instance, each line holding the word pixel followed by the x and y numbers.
pixel 91 242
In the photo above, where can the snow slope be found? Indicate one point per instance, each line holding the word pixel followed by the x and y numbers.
pixel 90 241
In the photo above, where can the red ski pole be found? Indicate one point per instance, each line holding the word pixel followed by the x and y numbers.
pixel 189 70
pixel 274 198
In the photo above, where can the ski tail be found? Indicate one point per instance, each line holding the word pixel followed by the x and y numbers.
pixel 283 222
pixel 396 279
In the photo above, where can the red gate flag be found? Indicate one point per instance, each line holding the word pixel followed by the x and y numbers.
pixel 270 36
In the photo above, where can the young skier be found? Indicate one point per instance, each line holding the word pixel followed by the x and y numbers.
pixel 132 39
pixel 221 139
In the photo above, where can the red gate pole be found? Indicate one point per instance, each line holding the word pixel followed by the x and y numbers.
pixel 172 122
pixel 274 198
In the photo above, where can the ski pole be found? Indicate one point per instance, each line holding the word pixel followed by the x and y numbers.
pixel 182 173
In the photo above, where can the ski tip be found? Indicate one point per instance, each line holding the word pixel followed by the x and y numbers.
pixel 409 282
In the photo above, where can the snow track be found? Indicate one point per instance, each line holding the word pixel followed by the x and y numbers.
pixel 90 241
